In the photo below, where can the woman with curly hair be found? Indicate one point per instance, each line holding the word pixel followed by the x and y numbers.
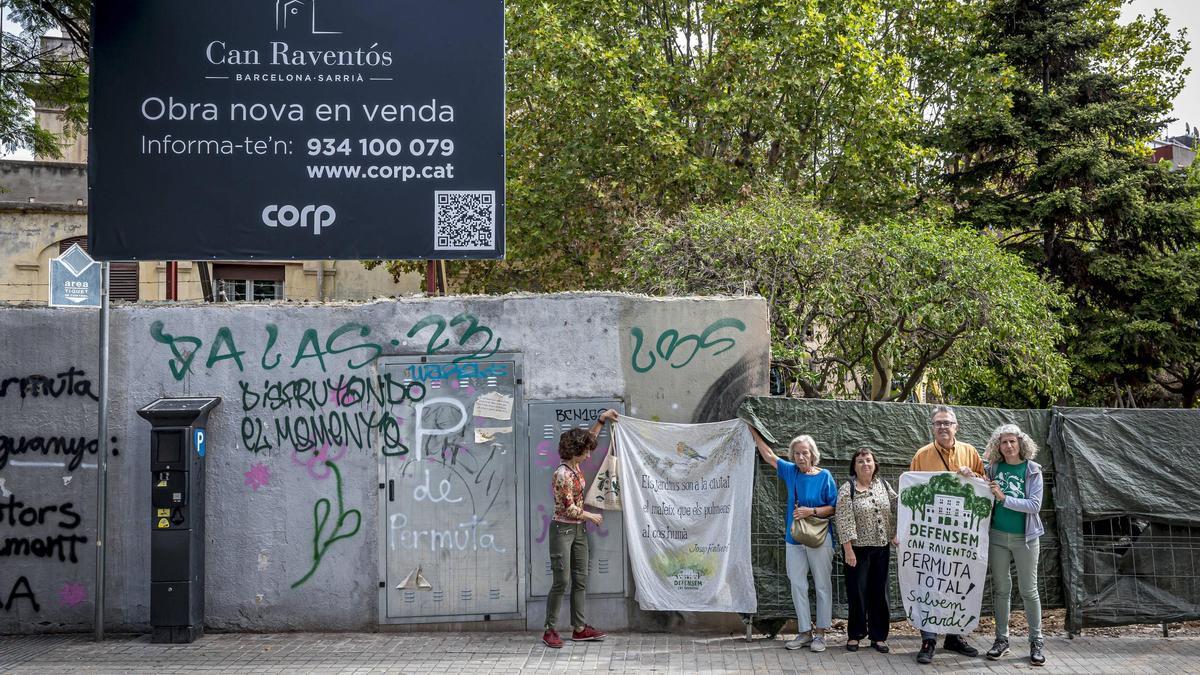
pixel 1016 482
pixel 568 538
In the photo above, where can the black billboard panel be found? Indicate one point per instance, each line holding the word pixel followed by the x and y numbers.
pixel 350 129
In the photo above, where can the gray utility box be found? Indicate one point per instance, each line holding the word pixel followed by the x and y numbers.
pixel 178 444
pixel 606 543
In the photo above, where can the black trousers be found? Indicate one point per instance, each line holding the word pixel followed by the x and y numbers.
pixel 867 593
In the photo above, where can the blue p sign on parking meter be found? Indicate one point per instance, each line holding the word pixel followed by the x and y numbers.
pixel 199 441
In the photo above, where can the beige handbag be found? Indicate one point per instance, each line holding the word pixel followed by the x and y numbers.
pixel 605 490
pixel 811 531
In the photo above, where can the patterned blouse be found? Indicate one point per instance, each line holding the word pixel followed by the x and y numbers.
pixel 568 495
pixel 866 518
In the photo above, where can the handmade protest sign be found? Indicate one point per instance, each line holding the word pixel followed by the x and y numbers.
pixel 686 502
pixel 942 526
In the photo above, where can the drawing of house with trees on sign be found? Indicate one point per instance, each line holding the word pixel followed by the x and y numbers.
pixel 946 501
pixel 948 511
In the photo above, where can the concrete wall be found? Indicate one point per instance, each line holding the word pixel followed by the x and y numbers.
pixel 667 359
pixel 43 182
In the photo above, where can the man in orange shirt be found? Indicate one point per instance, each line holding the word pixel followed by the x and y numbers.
pixel 946 454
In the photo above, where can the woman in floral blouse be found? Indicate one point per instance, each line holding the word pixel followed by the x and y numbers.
pixel 568 538
pixel 866 524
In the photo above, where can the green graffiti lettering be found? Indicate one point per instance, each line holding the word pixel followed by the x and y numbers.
pixel 638 338
pixel 224 337
pixel 272 336
pixel 309 338
pixel 728 341
pixel 473 328
pixel 363 331
pixel 669 342
pixel 181 361
pixel 321 513
pixel 431 320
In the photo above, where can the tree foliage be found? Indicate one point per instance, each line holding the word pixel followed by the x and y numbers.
pixel 618 107
pixel 52 75
pixel 864 311
pixel 1062 173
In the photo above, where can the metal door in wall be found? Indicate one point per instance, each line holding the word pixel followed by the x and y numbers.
pixel 450 515
pixel 606 544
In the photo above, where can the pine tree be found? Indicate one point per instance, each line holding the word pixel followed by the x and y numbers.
pixel 1062 172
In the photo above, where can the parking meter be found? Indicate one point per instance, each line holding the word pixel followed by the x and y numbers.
pixel 178 444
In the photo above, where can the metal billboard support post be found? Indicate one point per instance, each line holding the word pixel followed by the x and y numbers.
pixel 102 457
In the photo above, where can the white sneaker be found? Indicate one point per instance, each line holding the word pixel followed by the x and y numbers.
pixel 818 644
pixel 800 641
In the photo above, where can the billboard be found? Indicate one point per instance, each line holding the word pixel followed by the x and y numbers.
pixel 242 129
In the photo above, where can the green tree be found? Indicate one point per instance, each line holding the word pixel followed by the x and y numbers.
pixel 1061 172
pixel 916 498
pixel 947 483
pixel 865 311
pixel 1159 324
pixel 32 70
pixel 621 107
pixel 979 507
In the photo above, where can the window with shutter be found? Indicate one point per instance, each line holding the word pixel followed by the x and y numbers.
pixel 122 276
pixel 241 282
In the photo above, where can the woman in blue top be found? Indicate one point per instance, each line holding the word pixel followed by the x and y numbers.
pixel 811 492
pixel 1016 482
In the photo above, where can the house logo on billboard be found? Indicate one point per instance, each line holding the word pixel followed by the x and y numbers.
pixel 279 61
pixel 292 13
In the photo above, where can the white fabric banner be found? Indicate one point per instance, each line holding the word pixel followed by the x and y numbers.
pixel 942 524
pixel 686 495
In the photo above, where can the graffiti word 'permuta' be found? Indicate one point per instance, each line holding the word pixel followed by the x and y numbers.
pixel 70 383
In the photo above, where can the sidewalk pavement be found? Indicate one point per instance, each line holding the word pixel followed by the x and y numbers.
pixel 469 653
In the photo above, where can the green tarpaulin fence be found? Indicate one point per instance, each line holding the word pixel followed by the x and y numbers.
pixel 1115 515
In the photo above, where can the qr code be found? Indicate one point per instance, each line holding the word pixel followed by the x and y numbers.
pixel 464 220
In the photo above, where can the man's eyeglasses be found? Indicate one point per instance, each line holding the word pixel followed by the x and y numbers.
pixel 944 424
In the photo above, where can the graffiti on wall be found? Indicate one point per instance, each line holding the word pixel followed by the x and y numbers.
pixel 21 590
pixel 346 524
pixel 305 414
pixel 42 536
pixel 18 517
pixel 309 395
pixel 349 345
pixel 678 350
pixel 342 408
pixel 72 382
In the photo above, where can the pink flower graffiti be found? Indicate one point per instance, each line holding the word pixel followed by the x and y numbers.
pixel 72 594
pixel 257 476
pixel 315 462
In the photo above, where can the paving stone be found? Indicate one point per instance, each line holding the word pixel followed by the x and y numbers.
pixel 468 654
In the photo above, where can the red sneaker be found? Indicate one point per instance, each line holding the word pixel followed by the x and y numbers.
pixel 551 639
pixel 588 633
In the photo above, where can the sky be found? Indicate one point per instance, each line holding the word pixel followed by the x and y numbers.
pixel 1184 14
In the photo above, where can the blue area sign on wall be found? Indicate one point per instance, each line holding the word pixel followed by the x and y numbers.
pixel 347 129
pixel 74 279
